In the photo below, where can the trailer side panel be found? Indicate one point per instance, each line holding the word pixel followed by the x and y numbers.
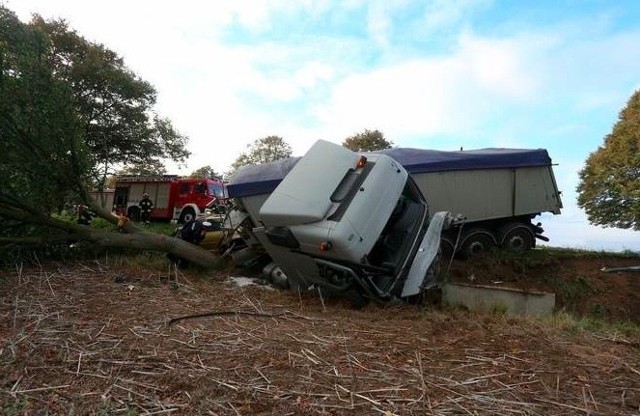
pixel 487 194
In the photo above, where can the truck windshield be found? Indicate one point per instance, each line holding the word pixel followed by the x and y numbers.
pixel 403 230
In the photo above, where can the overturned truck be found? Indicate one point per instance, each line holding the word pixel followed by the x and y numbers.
pixel 344 223
pixel 495 193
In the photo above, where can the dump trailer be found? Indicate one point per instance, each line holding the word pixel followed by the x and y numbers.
pixel 494 193
pixel 341 222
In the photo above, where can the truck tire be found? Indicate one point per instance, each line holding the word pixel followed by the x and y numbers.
pixel 187 215
pixel 133 213
pixel 517 238
pixel 477 241
pixel 274 275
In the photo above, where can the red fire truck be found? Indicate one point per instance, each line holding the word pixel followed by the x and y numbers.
pixel 174 198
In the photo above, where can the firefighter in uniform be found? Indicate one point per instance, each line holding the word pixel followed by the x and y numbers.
pixel 145 208
pixel 194 232
pixel 85 215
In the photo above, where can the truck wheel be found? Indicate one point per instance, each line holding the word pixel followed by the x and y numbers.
pixel 476 242
pixel 517 238
pixel 187 215
pixel 134 213
pixel 274 274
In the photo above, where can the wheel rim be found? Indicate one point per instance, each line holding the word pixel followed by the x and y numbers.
pixel 476 247
pixel 477 243
pixel 518 240
pixel 188 215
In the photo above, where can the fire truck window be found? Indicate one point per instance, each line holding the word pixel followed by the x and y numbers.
pixel 201 188
pixel 184 188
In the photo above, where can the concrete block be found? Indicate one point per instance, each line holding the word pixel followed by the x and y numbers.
pixel 491 298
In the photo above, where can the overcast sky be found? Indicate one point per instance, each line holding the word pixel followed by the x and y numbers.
pixel 438 74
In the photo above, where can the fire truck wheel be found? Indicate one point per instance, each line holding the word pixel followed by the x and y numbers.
pixel 187 215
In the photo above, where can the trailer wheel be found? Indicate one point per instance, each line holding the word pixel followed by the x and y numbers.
pixel 187 215
pixel 134 213
pixel 517 238
pixel 477 241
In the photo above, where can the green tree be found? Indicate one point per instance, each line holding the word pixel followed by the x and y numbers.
pixel 40 136
pixel 609 188
pixel 265 150
pixel 47 150
pixel 151 168
pixel 205 172
pixel 114 106
pixel 367 141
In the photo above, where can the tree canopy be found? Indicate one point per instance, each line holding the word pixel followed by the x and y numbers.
pixel 114 107
pixel 205 172
pixel 150 168
pixel 41 140
pixel 69 111
pixel 66 100
pixel 609 188
pixel 367 141
pixel 264 150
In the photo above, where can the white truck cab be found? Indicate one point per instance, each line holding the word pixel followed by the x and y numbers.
pixel 347 224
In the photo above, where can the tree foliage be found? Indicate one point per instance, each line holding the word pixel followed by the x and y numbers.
pixel 609 188
pixel 150 168
pixel 69 109
pixel 267 149
pixel 205 172
pixel 367 141
pixel 41 141
pixel 113 105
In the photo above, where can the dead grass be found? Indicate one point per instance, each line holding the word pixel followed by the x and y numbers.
pixel 94 338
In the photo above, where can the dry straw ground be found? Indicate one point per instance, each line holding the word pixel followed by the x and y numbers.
pixel 96 338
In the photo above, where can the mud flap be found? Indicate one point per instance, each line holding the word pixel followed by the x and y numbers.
pixel 425 255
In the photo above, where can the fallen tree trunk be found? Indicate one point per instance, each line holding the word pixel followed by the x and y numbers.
pixel 128 236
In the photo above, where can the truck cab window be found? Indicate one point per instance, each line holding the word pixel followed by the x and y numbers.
pixel 201 189
pixel 184 188
pixel 217 190
pixel 346 190
pixel 346 185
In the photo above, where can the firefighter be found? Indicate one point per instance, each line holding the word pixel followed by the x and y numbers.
pixel 193 232
pixel 85 215
pixel 145 208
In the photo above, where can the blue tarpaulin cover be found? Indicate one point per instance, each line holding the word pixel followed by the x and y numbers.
pixel 260 179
